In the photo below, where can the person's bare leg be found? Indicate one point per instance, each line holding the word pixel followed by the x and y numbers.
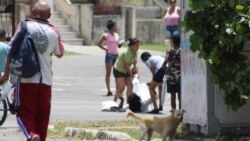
pixel 179 98
pixel 152 87
pixel 129 85
pixel 173 104
pixel 160 89
pixel 120 86
pixel 107 76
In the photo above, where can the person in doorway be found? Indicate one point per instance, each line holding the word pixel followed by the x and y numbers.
pixel 154 63
pixel 174 72
pixel 4 50
pixel 172 19
pixel 111 39
pixel 33 94
pixel 123 72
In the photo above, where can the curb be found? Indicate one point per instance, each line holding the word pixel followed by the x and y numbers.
pixel 97 134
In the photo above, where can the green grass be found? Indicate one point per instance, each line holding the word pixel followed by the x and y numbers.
pixel 130 127
pixel 155 47
pixel 68 53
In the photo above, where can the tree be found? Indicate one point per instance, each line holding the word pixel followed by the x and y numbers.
pixel 220 30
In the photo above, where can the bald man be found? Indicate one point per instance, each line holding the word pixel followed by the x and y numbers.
pixel 33 96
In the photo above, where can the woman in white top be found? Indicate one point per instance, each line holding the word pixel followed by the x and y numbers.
pixel 172 18
pixel 154 63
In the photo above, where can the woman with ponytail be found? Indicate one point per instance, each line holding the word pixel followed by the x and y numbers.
pixel 124 68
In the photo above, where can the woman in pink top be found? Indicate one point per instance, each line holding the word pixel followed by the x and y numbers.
pixel 172 18
pixel 111 39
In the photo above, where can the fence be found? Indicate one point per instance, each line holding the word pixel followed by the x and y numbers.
pixel 102 7
pixel 7 17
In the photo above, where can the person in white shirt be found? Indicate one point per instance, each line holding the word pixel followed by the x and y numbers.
pixel 154 63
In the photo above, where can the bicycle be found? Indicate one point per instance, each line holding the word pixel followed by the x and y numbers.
pixel 5 104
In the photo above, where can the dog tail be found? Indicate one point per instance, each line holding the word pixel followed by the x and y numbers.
pixel 132 114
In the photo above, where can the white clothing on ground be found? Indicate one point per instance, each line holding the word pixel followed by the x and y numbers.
pixel 142 91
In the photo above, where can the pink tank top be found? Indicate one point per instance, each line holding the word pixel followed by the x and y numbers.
pixel 171 19
pixel 112 42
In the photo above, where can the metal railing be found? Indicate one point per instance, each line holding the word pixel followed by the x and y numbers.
pixel 102 7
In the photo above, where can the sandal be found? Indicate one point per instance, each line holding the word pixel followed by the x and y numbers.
pixel 154 111
pixel 109 94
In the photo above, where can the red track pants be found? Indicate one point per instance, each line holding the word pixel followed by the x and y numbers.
pixel 34 110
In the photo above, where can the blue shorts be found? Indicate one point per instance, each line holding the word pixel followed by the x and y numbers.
pixel 173 30
pixel 110 58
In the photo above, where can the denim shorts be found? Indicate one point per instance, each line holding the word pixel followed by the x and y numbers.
pixel 110 58
pixel 173 30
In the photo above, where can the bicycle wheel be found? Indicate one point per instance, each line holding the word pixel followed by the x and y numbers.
pixel 3 111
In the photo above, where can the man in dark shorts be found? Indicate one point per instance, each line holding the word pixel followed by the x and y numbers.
pixel 174 73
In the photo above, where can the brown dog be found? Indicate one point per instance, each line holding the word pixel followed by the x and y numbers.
pixel 165 126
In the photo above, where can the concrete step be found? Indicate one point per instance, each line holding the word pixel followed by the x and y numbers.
pixel 55 12
pixel 73 41
pixel 61 29
pixel 56 15
pixel 62 26
pixel 58 20
pixel 69 35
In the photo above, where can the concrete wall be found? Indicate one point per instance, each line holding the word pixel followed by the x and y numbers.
pixel 129 14
pixel 132 23
pixel 150 31
pixel 99 26
pixel 86 23
pixel 148 12
pixel 22 11
pixel 147 27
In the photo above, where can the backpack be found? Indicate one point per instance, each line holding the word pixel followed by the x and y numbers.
pixel 23 56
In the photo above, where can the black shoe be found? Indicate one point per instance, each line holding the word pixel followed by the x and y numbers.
pixel 154 111
pixel 160 108
pixel 109 94
pixel 13 108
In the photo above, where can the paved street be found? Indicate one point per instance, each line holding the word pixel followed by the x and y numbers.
pixel 79 89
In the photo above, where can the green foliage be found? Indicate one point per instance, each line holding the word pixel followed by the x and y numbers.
pixel 220 30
